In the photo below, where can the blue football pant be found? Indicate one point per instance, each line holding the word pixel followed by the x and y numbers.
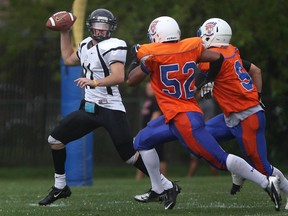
pixel 249 134
pixel 189 129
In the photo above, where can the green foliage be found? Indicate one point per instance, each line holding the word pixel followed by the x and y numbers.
pixel 259 28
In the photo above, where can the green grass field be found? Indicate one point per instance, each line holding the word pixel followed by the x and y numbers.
pixel 113 190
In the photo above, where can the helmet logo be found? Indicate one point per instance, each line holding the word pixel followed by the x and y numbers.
pixel 153 27
pixel 210 28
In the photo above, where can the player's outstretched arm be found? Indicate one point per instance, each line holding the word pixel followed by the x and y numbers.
pixel 216 59
pixel 136 76
pixel 68 54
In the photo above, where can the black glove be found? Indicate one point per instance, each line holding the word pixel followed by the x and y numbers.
pixel 135 61
pixel 134 50
pixel 260 101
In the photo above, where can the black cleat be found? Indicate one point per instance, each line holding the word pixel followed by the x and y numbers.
pixel 171 195
pixel 235 188
pixel 238 182
pixel 55 194
pixel 151 196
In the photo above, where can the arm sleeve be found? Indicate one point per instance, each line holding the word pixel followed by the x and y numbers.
pixel 246 65
pixel 133 65
pixel 215 68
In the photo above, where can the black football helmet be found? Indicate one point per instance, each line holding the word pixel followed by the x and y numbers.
pixel 101 19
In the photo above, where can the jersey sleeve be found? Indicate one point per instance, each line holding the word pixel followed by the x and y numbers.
pixel 142 55
pixel 78 53
pixel 117 52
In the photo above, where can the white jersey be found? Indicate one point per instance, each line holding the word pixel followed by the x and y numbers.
pixel 95 61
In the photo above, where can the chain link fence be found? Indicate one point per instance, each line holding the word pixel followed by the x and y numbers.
pixel 26 124
pixel 30 109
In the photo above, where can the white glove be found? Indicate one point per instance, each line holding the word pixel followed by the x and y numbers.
pixel 207 90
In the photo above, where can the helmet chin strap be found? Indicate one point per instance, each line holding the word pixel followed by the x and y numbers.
pixel 98 39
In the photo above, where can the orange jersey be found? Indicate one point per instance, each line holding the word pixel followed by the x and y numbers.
pixel 233 87
pixel 172 74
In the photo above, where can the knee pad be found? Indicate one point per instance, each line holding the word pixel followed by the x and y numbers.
pixel 133 159
pixel 55 144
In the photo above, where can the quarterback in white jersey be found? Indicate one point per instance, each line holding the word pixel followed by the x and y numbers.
pixel 103 61
pixel 110 51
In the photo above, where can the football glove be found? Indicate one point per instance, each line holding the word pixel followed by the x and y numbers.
pixel 134 50
pixel 207 90
pixel 135 61
pixel 260 101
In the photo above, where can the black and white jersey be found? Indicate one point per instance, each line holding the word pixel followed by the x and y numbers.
pixel 95 61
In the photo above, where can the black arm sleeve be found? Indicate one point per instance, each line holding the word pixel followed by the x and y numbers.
pixel 246 65
pixel 135 61
pixel 200 78
pixel 215 68
pixel 213 71
pixel 133 65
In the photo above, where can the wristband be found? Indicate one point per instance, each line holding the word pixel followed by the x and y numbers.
pixel 95 82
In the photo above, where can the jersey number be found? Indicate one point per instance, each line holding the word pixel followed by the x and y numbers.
pixel 165 70
pixel 243 76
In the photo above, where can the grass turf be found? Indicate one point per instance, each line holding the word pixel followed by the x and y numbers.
pixel 113 196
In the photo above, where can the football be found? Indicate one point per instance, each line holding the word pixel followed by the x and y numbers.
pixel 61 21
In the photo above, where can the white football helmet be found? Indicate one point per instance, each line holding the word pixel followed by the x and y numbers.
pixel 215 32
pixel 163 29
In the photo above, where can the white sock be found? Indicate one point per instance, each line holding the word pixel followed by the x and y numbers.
pixel 283 181
pixel 60 181
pixel 240 167
pixel 166 183
pixel 236 179
pixel 152 163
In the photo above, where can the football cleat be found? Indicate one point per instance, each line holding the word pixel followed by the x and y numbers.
pixel 237 183
pixel 235 188
pixel 171 196
pixel 55 194
pixel 273 189
pixel 151 196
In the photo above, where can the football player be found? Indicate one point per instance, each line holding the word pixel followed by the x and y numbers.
pixel 237 89
pixel 171 64
pixel 102 59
